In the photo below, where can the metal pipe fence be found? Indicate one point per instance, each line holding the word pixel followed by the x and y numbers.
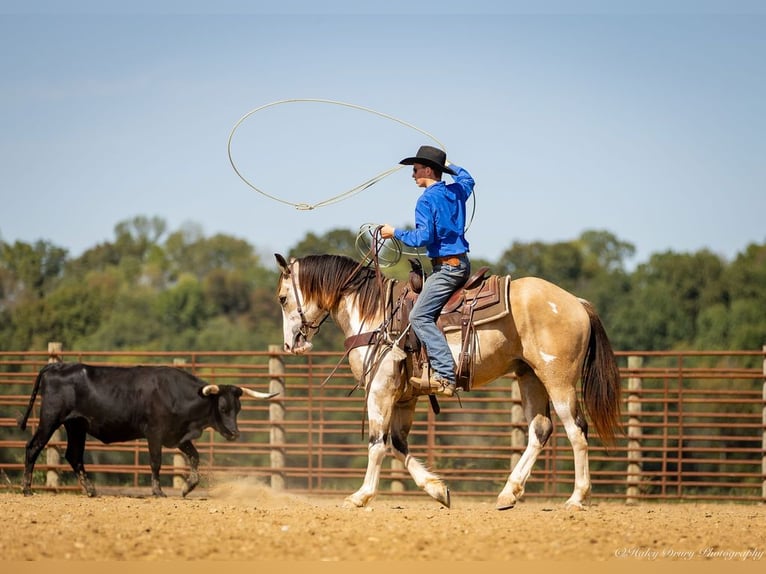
pixel 694 429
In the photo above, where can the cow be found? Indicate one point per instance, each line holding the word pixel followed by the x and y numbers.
pixel 165 405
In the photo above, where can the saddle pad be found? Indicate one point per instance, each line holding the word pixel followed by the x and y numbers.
pixel 490 302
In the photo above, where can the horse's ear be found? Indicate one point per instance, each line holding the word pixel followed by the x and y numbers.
pixel 282 264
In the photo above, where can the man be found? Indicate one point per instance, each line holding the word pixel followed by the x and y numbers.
pixel 439 227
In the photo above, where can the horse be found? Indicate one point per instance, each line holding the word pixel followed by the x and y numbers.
pixel 549 341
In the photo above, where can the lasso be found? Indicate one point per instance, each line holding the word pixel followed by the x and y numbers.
pixel 392 247
pixel 340 197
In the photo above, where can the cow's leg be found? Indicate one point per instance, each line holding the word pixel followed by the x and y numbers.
pixel 76 429
pixel 534 400
pixel 155 462
pixel 192 457
pixel 401 423
pixel 379 406
pixel 35 445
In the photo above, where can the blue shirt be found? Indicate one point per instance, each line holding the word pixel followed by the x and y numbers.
pixel 440 217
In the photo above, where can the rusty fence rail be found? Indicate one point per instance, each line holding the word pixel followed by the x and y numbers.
pixel 694 429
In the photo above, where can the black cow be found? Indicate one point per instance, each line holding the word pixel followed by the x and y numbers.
pixel 167 406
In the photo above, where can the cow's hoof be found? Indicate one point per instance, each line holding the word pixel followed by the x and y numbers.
pixel 188 488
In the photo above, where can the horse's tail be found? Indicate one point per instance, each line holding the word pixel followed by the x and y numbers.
pixel 23 421
pixel 601 380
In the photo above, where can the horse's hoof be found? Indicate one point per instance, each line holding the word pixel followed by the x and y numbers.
pixel 506 502
pixel 574 505
pixel 437 490
pixel 350 502
pixel 445 500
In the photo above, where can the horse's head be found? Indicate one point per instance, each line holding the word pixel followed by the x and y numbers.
pixel 315 286
pixel 300 318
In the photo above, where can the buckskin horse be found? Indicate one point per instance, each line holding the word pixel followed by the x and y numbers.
pixel 549 340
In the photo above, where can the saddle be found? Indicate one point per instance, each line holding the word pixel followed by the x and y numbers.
pixel 482 299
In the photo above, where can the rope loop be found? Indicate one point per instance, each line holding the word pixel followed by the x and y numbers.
pixel 302 206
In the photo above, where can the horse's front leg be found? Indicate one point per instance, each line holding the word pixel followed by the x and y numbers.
pixel 401 423
pixel 379 405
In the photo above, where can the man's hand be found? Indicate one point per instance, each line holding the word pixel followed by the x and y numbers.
pixel 386 231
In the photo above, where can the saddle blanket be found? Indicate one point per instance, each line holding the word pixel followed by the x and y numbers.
pixel 490 301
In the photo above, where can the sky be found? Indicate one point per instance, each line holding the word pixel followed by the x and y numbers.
pixel 643 119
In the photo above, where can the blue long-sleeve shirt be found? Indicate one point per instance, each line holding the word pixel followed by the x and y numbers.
pixel 440 217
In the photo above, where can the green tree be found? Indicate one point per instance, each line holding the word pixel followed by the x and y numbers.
pixel 334 242
pixel 666 298
pixel 183 305
pixel 28 270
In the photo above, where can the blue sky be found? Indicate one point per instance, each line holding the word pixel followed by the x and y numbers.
pixel 643 119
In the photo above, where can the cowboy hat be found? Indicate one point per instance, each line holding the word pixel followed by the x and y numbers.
pixel 430 156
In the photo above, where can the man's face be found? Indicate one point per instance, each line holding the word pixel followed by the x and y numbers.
pixel 422 174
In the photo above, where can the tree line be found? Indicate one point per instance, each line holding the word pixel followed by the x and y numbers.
pixel 151 288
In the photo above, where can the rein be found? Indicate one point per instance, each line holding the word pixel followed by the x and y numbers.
pixel 371 337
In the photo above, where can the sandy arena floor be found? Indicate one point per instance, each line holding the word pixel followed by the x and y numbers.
pixel 245 521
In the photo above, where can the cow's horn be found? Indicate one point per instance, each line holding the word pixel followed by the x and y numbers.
pixel 210 390
pixel 258 395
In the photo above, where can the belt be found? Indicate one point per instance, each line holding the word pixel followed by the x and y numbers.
pixel 453 260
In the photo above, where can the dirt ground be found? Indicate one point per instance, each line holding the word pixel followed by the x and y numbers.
pixel 242 520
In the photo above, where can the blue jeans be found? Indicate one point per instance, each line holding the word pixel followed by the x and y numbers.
pixel 439 286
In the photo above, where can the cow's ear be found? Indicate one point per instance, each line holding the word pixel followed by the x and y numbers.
pixel 282 263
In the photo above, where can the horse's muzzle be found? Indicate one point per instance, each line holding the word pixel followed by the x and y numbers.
pixel 300 345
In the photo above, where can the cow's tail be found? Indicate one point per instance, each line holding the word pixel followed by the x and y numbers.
pixel 35 389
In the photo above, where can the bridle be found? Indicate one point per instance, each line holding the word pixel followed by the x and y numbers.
pixel 305 323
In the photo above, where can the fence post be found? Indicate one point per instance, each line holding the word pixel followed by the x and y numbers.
pixel 277 417
pixel 518 435
pixel 179 460
pixel 763 439
pixel 634 432
pixel 52 452
pixel 397 472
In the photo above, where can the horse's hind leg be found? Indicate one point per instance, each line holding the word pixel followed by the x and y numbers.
pixel 534 400
pixel 568 410
pixel 401 423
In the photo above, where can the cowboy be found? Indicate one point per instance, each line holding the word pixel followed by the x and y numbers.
pixel 440 216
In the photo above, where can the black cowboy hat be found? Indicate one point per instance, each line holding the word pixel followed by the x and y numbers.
pixel 430 156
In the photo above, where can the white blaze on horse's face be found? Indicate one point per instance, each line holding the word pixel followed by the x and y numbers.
pixel 297 339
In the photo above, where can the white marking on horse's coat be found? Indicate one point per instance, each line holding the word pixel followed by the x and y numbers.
pixel 546 357
pixel 374 414
pixel 554 307
pixel 564 412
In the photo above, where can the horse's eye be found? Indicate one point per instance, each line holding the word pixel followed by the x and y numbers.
pixel 282 300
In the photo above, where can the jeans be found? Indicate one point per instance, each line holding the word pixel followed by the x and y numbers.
pixel 439 286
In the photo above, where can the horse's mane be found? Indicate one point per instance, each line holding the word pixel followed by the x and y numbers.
pixel 324 279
